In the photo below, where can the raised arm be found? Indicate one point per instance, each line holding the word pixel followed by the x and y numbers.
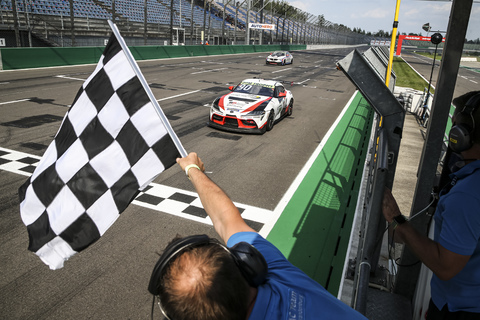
pixel 225 216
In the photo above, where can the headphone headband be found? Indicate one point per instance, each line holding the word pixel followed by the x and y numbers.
pixel 249 260
pixel 171 251
pixel 472 104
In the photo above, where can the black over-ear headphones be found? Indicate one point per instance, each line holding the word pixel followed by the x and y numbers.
pixel 249 260
pixel 460 137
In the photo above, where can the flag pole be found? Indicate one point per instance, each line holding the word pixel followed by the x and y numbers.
pixel 149 92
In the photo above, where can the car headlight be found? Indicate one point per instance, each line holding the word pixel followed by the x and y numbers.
pixel 256 113
pixel 215 105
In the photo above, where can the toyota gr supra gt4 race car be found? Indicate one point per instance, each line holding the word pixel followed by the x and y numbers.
pixel 280 57
pixel 252 106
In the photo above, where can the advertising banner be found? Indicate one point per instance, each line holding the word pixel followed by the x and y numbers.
pixel 263 26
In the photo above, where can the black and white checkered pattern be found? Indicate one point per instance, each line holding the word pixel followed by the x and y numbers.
pixel 111 144
pixel 18 162
pixel 161 198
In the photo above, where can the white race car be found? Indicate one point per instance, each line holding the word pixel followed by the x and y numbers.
pixel 280 57
pixel 254 105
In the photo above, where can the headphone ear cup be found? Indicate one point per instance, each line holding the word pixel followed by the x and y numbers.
pixel 251 263
pixel 459 138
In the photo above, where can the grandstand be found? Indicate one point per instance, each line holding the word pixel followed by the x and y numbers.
pixel 152 22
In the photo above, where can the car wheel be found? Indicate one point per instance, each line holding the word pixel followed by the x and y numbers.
pixel 270 121
pixel 290 108
pixel 283 62
pixel 291 62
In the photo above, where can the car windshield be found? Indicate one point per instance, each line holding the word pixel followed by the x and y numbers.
pixel 256 88
pixel 278 53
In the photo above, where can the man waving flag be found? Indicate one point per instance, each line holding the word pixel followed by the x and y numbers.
pixel 113 141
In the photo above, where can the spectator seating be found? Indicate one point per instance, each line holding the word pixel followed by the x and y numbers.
pixel 158 11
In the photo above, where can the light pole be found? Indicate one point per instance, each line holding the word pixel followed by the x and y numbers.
pixel 436 38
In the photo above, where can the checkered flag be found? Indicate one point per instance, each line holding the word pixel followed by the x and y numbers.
pixel 111 144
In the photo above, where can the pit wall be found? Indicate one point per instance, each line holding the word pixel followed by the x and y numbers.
pixel 25 58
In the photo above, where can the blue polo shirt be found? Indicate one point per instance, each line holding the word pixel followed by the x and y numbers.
pixel 288 292
pixel 457 228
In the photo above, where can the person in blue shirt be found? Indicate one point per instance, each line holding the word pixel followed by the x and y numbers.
pixel 454 253
pixel 200 278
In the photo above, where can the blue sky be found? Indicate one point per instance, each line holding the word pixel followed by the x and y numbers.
pixel 374 15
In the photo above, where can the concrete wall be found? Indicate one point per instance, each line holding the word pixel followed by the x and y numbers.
pixel 24 58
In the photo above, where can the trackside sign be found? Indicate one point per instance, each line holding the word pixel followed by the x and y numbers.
pixel 404 36
pixel 263 26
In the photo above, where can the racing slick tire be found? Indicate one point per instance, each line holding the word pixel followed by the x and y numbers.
pixel 290 108
pixel 270 121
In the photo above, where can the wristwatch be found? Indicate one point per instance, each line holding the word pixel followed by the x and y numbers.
pixel 397 220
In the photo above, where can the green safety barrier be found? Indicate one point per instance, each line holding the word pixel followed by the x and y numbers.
pixel 314 229
pixel 24 58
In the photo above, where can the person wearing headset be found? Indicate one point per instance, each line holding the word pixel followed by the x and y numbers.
pixel 454 253
pixel 197 277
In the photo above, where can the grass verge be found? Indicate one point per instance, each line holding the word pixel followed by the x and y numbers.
pixel 407 77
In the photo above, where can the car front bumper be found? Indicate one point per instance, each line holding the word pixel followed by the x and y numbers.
pixel 233 124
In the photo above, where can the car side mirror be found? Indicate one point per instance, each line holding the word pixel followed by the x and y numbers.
pixel 231 88
pixel 282 94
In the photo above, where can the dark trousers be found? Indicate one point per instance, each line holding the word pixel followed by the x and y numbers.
pixel 435 314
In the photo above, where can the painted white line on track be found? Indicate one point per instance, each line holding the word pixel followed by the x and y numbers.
pixel 208 71
pixel 303 81
pixel 282 70
pixel 71 78
pixel 171 97
pixel 178 95
pixel 156 196
pixel 14 101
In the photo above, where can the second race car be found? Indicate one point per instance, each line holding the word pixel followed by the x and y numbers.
pixel 280 57
pixel 254 105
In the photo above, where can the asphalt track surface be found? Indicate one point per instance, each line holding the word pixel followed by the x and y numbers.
pixel 109 279
pixel 468 79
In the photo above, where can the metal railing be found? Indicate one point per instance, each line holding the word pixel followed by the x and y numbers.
pixel 200 20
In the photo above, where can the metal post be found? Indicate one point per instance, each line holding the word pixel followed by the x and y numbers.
pixel 261 21
pixel 28 22
pixel 247 37
pixel 223 21
pixel 392 44
pixel 15 23
pixel 236 21
pixel 171 22
pixel 209 20
pixel 191 19
pixel 452 53
pixel 72 22
pixel 204 17
pixel 368 261
pixel 145 13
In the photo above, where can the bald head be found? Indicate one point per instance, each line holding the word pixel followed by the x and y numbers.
pixel 204 283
